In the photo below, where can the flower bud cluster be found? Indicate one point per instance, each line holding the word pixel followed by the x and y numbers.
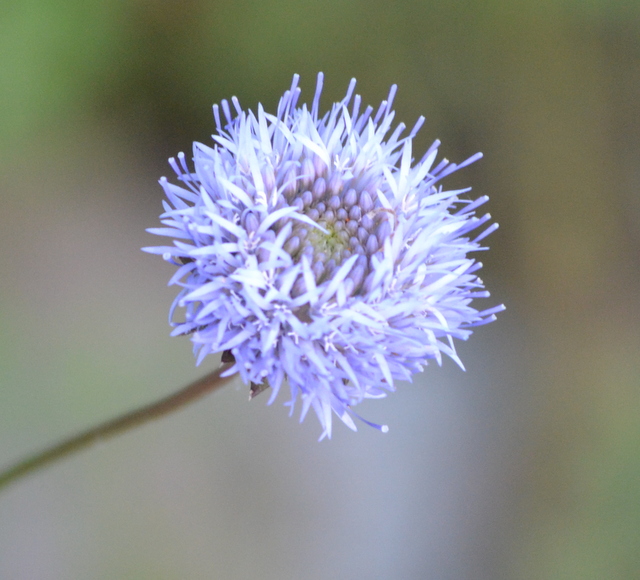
pixel 354 224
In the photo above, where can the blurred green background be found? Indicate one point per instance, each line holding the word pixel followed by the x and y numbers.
pixel 527 466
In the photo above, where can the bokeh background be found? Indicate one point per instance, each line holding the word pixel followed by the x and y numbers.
pixel 527 466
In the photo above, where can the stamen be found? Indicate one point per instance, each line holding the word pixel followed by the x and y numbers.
pixel 381 428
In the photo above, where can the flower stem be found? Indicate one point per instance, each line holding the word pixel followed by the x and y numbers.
pixel 190 393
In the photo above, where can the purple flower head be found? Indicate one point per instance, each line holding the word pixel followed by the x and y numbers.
pixel 315 252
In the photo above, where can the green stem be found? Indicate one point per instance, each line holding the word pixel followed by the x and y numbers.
pixel 190 393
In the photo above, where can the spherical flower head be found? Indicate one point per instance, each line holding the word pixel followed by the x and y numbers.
pixel 315 252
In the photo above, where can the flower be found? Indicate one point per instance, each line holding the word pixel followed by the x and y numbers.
pixel 313 251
